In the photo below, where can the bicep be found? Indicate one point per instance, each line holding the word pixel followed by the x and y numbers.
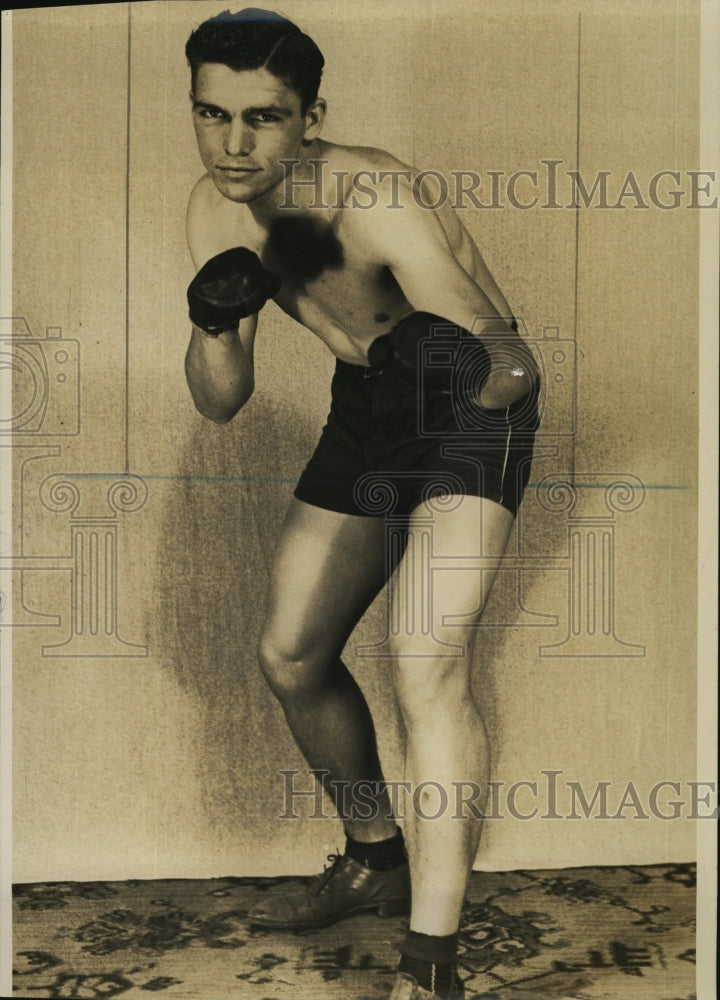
pixel 437 283
pixel 413 243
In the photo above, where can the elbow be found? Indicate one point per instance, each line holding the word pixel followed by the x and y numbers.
pixel 218 418
pixel 529 364
pixel 521 354
pixel 222 412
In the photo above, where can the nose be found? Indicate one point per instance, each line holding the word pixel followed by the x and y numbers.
pixel 239 139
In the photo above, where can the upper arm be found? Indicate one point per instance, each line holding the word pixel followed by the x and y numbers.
pixel 413 242
pixel 199 228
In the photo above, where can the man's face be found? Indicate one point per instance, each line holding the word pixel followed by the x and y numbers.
pixel 245 123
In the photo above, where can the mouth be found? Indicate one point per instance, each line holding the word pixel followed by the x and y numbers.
pixel 238 171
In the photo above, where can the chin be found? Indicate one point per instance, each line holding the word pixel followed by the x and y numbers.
pixel 240 191
pixel 240 197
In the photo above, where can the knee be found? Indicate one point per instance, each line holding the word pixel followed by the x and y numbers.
pixel 428 685
pixel 431 681
pixel 289 669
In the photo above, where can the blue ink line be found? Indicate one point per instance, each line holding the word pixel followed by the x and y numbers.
pixel 275 479
pixel 605 486
pixel 177 478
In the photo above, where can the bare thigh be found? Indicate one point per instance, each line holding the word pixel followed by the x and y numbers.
pixel 328 568
pixel 445 576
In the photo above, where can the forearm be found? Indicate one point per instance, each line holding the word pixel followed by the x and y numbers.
pixel 219 373
pixel 513 368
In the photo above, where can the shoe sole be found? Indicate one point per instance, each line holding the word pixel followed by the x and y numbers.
pixel 386 908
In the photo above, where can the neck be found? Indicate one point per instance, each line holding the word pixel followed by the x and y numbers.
pixel 290 190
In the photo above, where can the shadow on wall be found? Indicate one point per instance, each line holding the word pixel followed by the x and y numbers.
pixel 219 528
pixel 522 610
pixel 216 542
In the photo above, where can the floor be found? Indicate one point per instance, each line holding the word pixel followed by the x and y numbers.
pixel 620 933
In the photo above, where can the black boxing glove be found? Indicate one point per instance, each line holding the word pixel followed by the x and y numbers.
pixel 229 287
pixel 450 358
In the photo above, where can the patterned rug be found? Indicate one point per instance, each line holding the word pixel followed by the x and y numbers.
pixel 623 933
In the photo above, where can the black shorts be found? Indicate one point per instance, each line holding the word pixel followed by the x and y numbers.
pixel 388 446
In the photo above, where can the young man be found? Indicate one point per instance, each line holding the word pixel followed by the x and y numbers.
pixel 381 280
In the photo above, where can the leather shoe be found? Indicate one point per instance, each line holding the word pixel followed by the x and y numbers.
pixel 407 988
pixel 344 888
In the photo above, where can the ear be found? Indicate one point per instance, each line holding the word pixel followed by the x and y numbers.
pixel 314 118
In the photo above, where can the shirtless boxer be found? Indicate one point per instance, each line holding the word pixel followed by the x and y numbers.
pixel 375 283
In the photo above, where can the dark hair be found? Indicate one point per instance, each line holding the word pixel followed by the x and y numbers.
pixel 254 38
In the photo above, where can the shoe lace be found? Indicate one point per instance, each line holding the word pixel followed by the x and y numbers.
pixel 327 873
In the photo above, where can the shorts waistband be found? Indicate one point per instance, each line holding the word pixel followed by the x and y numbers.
pixel 366 373
pixel 361 372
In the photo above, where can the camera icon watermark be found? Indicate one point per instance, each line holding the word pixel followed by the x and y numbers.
pixel 455 363
pixel 44 380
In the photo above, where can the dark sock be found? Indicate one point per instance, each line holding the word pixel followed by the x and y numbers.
pixel 432 961
pixel 380 856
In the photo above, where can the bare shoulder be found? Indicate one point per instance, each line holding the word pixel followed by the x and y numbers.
pixel 396 213
pixel 357 158
pixel 200 194
pixel 382 193
pixel 362 169
pixel 212 222
pixel 198 204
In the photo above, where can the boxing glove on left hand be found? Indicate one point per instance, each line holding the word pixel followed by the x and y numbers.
pixel 230 286
pixel 468 364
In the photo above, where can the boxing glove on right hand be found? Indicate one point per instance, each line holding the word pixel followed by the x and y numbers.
pixel 230 286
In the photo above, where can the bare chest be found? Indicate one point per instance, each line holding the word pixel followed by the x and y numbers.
pixel 330 285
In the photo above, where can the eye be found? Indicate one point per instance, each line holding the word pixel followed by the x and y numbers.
pixel 211 114
pixel 266 118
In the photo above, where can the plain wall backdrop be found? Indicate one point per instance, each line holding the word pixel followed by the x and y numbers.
pixel 164 761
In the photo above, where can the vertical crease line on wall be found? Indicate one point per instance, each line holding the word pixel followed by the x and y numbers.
pixel 127 243
pixel 577 244
pixel 673 500
pixel 163 329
